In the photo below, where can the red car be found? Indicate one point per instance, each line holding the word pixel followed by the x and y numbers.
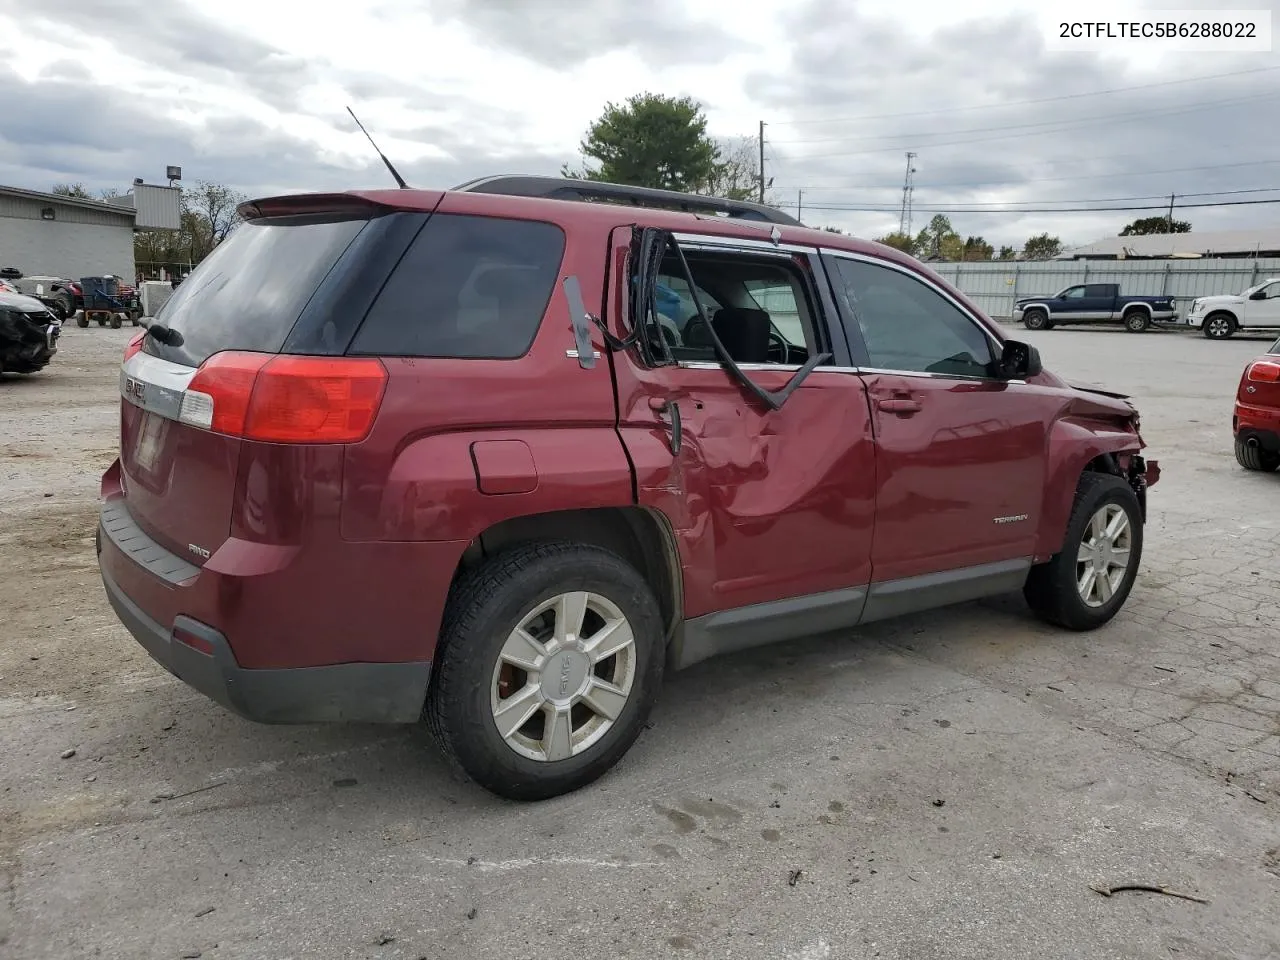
pixel 404 454
pixel 1256 423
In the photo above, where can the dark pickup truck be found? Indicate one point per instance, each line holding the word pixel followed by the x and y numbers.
pixel 1093 303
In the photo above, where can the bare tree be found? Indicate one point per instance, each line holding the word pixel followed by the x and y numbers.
pixel 210 215
pixel 737 170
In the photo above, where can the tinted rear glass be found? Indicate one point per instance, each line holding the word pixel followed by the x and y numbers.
pixel 249 292
pixel 472 287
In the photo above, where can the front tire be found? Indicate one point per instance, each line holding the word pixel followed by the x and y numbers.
pixel 1036 320
pixel 550 659
pixel 1087 583
pixel 1219 326
pixel 1255 458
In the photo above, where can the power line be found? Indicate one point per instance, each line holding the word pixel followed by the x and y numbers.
pixel 1031 133
pixel 1010 203
pixel 1052 124
pixel 1021 103
pixel 1090 176
pixel 1019 210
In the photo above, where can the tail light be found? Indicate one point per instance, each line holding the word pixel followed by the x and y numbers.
pixel 1264 371
pixel 283 399
pixel 134 345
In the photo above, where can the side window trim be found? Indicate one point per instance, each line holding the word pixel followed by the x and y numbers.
pixel 773 399
pixel 849 322
pixel 826 320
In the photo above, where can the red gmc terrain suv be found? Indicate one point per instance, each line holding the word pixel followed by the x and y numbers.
pixel 498 457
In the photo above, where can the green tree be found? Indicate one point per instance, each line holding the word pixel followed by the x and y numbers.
pixel 838 230
pixel 1145 226
pixel 652 141
pixel 899 241
pixel 976 248
pixel 1006 253
pixel 951 247
pixel 939 239
pixel 1041 247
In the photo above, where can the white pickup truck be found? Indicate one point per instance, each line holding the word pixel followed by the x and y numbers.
pixel 1219 317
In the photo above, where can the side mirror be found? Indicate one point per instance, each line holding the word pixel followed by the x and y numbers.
pixel 1019 361
pixel 1258 294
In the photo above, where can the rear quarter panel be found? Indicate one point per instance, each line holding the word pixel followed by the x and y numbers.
pixel 415 477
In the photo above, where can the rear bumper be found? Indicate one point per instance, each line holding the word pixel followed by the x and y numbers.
pixel 359 692
pixel 351 692
pixel 1260 425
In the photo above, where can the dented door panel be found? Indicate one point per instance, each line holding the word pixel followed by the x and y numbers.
pixel 765 504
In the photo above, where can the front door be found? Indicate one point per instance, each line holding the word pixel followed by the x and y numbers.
pixel 767 504
pixel 960 453
pixel 1264 312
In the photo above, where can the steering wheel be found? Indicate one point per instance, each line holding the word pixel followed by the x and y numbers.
pixel 777 340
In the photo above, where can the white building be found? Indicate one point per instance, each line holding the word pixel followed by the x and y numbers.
pixel 45 234
pixel 1263 242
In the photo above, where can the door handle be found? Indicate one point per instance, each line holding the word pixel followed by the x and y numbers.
pixel 899 405
pixel 661 405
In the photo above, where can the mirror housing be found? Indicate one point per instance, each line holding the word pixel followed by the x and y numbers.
pixel 1259 294
pixel 1019 361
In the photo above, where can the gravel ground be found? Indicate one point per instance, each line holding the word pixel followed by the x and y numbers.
pixel 949 785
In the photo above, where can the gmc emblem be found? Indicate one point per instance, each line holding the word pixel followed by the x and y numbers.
pixel 133 389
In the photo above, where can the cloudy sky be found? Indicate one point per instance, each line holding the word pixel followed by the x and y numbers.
pixel 251 93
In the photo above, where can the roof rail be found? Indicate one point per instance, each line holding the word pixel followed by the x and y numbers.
pixel 556 188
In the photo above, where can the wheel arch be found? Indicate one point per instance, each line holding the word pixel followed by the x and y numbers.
pixel 1137 307
pixel 1077 447
pixel 640 535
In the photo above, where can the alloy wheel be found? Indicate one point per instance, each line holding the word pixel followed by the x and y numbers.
pixel 1102 560
pixel 563 676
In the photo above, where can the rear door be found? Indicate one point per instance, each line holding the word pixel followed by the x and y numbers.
pixel 960 453
pixel 179 479
pixel 1099 301
pixel 767 504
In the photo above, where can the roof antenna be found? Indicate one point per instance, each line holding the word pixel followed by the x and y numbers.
pixel 399 179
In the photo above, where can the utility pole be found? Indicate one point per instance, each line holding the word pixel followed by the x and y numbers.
pixel 762 161
pixel 799 203
pixel 908 187
pixel 1171 199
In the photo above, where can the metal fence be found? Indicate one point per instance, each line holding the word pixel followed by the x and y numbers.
pixel 994 285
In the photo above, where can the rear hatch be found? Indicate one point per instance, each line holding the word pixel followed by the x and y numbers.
pixel 283 281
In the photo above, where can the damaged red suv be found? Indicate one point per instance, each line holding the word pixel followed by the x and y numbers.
pixel 499 457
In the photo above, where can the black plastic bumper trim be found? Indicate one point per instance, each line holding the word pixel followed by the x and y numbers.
pixel 346 692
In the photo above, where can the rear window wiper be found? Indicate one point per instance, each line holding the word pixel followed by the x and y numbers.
pixel 160 333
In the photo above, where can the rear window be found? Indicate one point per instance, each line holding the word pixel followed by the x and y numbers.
pixel 473 287
pixel 249 292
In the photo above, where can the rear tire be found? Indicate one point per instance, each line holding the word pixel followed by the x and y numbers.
pixel 1255 458
pixel 116 322
pixel 1137 321
pixel 539 590
pixel 1056 591
pixel 1219 326
pixel 1036 319
pixel 82 321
